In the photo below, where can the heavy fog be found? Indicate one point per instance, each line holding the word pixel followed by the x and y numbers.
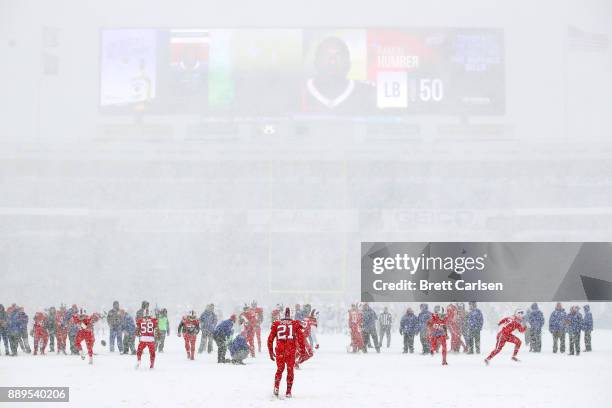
pixel 157 197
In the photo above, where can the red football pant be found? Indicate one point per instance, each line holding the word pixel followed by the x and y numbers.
pixel 439 341
pixel 501 341
pixel 40 336
pixel 356 339
pixel 151 346
pixel 61 339
pixel 190 341
pixel 89 341
pixel 308 353
pixel 456 341
pixel 250 338
pixel 282 360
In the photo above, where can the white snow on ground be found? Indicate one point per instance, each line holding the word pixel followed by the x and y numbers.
pixel 333 378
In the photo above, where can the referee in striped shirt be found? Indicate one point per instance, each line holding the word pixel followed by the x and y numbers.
pixel 385 320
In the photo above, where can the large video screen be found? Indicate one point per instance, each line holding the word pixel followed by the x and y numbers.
pixel 245 73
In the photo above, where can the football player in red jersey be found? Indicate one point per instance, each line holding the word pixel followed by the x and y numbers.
pixel 310 337
pixel 189 328
pixel 40 333
pixel 437 326
pixel 289 341
pixel 61 330
pixel 248 320
pixel 146 330
pixel 355 321
pixel 455 331
pixel 85 324
pixel 510 324
pixel 258 312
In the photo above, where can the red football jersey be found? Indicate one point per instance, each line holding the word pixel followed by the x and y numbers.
pixel 258 312
pixel 85 322
pixel 511 324
pixel 289 336
pixel 189 326
pixel 249 318
pixel 308 324
pixel 40 319
pixel 146 328
pixel 437 325
pixel 355 319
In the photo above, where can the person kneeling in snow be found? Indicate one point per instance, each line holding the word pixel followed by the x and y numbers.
pixel 222 333
pixel 239 349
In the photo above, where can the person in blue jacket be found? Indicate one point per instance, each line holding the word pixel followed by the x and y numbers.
pixel 424 317
pixel 574 327
pixel 223 332
pixel 556 326
pixel 4 336
pixel 69 324
pixel 22 324
pixel 129 334
pixel 368 328
pixel 208 322
pixel 474 323
pixel 13 330
pixel 239 349
pixel 536 322
pixel 587 327
pixel 409 327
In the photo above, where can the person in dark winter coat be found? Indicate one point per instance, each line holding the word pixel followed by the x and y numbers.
pixel 587 327
pixel 574 326
pixel 208 323
pixel 13 330
pixel 222 333
pixel 115 324
pixel 536 322
pixel 409 327
pixel 4 334
pixel 299 314
pixel 143 306
pixel 129 334
pixel 71 327
pixel 22 324
pixel 424 317
pixel 239 349
pixel 369 328
pixel 474 327
pixel 556 326
pixel 51 329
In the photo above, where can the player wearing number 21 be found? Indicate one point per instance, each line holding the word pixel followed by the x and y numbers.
pixel 146 330
pixel 289 337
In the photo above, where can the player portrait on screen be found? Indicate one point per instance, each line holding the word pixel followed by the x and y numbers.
pixel 330 89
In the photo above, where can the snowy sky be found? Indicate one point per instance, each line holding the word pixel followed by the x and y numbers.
pixel 97 207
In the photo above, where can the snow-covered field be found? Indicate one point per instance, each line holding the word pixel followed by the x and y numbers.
pixel 333 378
